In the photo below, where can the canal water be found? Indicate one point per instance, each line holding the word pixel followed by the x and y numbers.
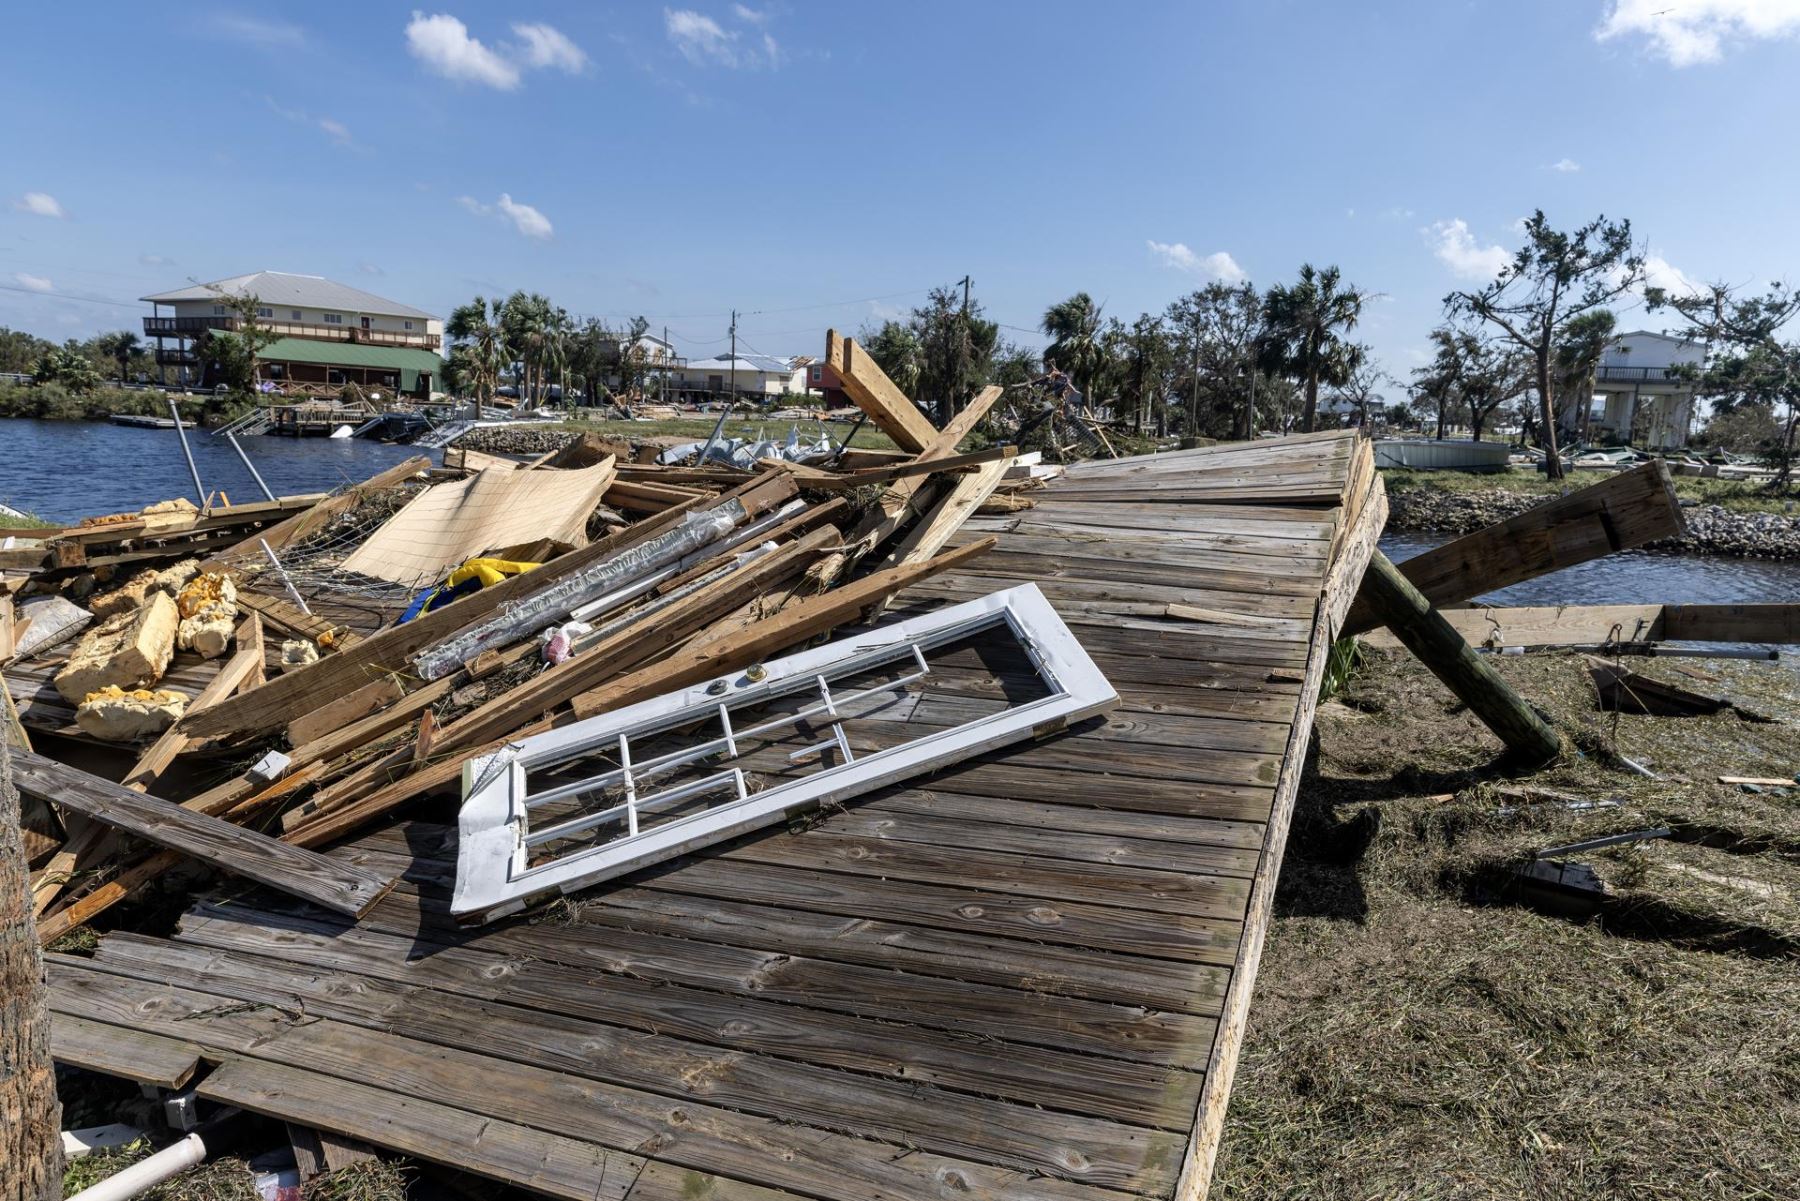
pixel 66 470
pixel 1636 578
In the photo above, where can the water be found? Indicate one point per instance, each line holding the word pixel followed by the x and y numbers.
pixel 1636 578
pixel 66 470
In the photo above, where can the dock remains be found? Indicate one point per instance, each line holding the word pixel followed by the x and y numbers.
pixel 906 826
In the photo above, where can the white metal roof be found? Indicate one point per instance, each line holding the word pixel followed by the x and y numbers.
pixel 277 288
pixel 745 362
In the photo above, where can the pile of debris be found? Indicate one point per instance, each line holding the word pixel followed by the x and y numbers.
pixel 423 619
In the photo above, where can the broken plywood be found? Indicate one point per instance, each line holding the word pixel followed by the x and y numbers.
pixel 448 524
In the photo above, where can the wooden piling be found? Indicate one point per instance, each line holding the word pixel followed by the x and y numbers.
pixel 1436 643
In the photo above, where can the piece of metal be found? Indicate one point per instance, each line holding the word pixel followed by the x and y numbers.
pixel 181 433
pixel 497 872
pixel 293 592
pixel 1611 840
pixel 249 466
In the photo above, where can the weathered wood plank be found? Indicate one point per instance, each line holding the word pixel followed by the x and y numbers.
pixel 1626 510
pixel 119 1050
pixel 304 874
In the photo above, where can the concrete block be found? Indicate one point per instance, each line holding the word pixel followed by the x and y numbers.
pixel 120 716
pixel 129 651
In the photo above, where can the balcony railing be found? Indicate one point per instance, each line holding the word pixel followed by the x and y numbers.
pixel 193 327
pixel 177 358
pixel 1638 375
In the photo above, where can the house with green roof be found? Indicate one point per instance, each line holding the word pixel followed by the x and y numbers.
pixel 327 335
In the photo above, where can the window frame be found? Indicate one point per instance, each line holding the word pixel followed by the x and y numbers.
pixel 493 877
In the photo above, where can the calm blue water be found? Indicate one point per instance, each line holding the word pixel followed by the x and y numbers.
pixel 67 470
pixel 1636 578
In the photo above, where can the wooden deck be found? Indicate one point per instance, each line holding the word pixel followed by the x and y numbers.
pixel 1025 977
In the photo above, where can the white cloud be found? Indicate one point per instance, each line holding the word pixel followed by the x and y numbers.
pixel 155 260
pixel 699 38
pixel 36 283
pixel 1567 166
pixel 40 204
pixel 370 269
pixel 257 31
pixel 1218 265
pixel 547 46
pixel 1661 273
pixel 335 130
pixel 524 218
pixel 1686 32
pixel 443 44
pixel 1457 249
pixel 703 40
pixel 528 220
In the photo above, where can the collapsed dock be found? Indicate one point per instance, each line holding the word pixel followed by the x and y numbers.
pixel 1020 968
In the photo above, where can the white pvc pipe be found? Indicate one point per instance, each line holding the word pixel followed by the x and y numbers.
pixel 147 1173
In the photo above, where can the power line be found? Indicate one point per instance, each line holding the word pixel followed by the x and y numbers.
pixel 122 304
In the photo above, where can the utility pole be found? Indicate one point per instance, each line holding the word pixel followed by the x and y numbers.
pixel 1193 430
pixel 664 355
pixel 953 402
pixel 732 399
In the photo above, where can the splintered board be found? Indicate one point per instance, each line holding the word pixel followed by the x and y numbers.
pixel 1023 976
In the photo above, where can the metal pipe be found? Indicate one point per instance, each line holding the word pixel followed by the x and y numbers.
pixel 249 466
pixel 199 488
pixel 282 572
pixel 146 1174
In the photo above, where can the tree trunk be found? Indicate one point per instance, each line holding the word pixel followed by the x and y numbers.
pixel 30 1115
pixel 1553 468
pixel 1312 402
pixel 1440 422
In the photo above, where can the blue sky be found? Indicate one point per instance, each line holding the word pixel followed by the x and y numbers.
pixel 823 164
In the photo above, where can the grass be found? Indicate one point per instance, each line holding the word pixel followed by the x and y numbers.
pixel 230 1178
pixel 225 1179
pixel 1414 1036
pixel 1739 496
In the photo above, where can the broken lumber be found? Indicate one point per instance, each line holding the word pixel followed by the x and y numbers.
pixel 1625 511
pixel 330 883
pixel 296 693
pixel 892 411
pixel 1435 642
pixel 317 516
pixel 797 622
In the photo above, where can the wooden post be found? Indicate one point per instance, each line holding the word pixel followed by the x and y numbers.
pixel 1436 644
pixel 30 1116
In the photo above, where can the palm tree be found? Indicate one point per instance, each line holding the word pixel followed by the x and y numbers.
pixel 477 331
pixel 119 347
pixel 1073 326
pixel 1303 323
pixel 1583 344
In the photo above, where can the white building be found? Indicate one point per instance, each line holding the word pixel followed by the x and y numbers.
pixel 1637 371
pixel 755 375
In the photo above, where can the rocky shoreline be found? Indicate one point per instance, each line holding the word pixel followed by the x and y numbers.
pixel 1712 529
pixel 514 440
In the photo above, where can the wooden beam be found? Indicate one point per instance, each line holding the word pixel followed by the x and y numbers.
pixel 330 883
pixel 892 411
pixel 829 481
pixel 1439 647
pixel 295 693
pixel 1625 511
pixel 797 622
pixel 1597 625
